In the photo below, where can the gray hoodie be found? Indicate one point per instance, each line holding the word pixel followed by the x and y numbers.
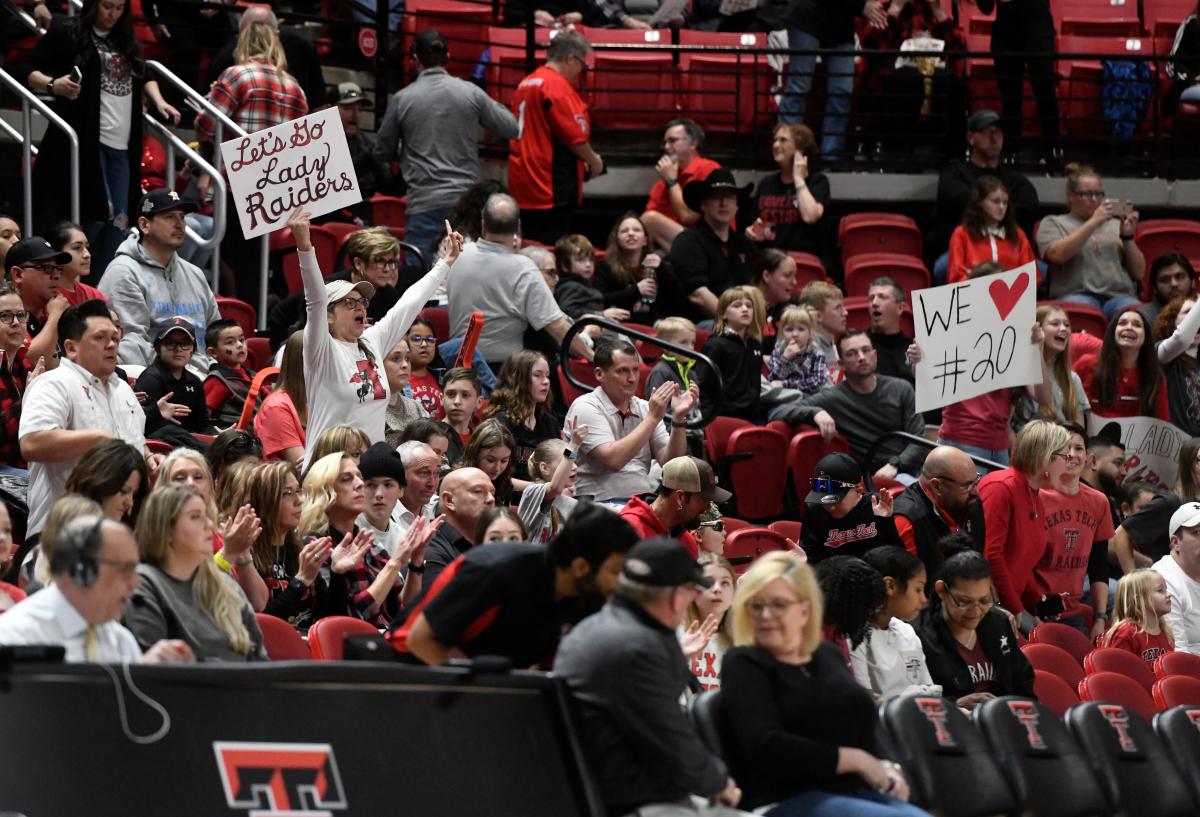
pixel 146 295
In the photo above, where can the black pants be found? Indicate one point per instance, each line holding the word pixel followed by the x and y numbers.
pixel 904 128
pixel 1026 28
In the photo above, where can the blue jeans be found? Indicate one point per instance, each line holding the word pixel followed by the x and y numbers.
pixel 1110 307
pixel 998 455
pixel 839 85
pixel 114 166
pixel 421 228
pixel 862 803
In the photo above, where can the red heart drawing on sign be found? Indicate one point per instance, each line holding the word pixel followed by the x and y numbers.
pixel 1005 296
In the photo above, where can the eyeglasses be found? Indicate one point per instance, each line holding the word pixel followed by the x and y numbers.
pixel 354 303
pixel 290 493
pixel 966 486
pixel 718 526
pixel 386 262
pixel 971 605
pixel 47 269
pixel 122 566
pixel 1089 194
pixel 827 485
pixel 178 344
pixel 777 607
pixel 10 317
pixel 421 340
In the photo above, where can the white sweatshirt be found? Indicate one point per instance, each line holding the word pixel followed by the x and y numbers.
pixel 343 386
pixel 891 663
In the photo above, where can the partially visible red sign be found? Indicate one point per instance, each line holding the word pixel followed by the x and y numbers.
pixel 368 43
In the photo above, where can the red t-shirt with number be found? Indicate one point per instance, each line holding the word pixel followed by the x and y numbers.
pixel 542 171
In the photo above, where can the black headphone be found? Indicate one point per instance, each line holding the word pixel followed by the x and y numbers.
pixel 73 553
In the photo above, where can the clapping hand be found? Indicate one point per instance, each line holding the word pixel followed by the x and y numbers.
pixel 241 531
pixel 169 411
pixel 312 556
pixel 350 553
pixel 697 636
pixel 684 402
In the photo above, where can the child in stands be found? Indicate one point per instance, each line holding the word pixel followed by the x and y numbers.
pixel 1141 602
pixel 711 607
pixel 548 500
pixel 890 660
pixel 228 381
pixel 672 368
pixel 460 400
pixel 988 232
pixel 796 361
pixel 10 594
pixel 422 349
pixel 490 449
pixel 840 517
pixel 174 405
pixel 736 348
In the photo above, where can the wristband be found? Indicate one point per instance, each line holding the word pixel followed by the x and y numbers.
pixel 570 453
pixel 670 183
pixel 222 562
pixel 415 568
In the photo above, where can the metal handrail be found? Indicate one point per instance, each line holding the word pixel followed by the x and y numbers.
pixel 222 123
pixel 213 242
pixel 15 134
pixel 29 102
pixel 924 442
pixel 26 18
pixel 674 348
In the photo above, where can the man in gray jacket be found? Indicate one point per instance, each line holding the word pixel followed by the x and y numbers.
pixel 148 284
pixel 625 667
pixel 432 125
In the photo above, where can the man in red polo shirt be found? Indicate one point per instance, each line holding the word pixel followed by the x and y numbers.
pixel 666 212
pixel 547 159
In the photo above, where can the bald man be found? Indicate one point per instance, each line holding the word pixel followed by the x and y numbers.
pixel 302 60
pixel 942 501
pixel 466 493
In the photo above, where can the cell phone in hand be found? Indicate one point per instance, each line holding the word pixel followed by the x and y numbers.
pixel 1051 608
pixel 1120 209
pixel 76 75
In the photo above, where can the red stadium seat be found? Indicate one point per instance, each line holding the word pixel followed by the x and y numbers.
pixel 1176 690
pixel 627 87
pixel 159 446
pixel 808 268
pixel 758 483
pixel 905 270
pixel 1084 317
pixel 879 233
pixel 1162 18
pixel 389 211
pixel 343 230
pixel 463 24
pixel 1123 662
pixel 582 369
pixel 240 311
pixel 1061 635
pixel 732 523
pixel 1162 235
pixel 790 528
pixel 1053 692
pixel 717 434
pixel 1177 663
pixel 727 90
pixel 803 452
pixel 258 352
pixel 858 315
pixel 1097 18
pixel 1117 689
pixel 506 59
pixel 325 244
pixel 281 640
pixel 752 542
pixel 327 636
pixel 439 318
pixel 1082 84
pixel 1055 660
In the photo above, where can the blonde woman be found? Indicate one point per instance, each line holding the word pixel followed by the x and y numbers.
pixel 35 570
pixel 736 348
pixel 1070 402
pixel 802 730
pixel 338 439
pixel 233 537
pixel 182 594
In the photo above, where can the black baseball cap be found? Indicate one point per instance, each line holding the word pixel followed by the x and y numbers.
pixel 381 460
pixel 33 250
pixel 175 324
pixel 429 41
pixel 663 562
pixel 162 200
pixel 981 119
pixel 833 477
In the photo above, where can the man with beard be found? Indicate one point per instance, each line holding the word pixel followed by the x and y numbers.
pixel 944 500
pixel 1104 465
pixel 512 599
pixel 1171 277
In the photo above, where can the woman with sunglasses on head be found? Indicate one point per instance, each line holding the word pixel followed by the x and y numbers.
pixel 17 371
pixel 970 647
pixel 342 355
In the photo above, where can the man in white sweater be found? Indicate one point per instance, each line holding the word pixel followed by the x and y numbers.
pixel 1181 570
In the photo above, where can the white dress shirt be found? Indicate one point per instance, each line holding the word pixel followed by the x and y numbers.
pixel 47 617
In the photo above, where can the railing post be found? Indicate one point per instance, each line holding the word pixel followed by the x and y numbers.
pixel 27 164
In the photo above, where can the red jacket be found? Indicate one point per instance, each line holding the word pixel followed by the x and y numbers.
pixel 641 516
pixel 1014 530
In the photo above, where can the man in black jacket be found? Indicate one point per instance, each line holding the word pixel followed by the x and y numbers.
pixel 942 501
pixel 970 647
pixel 957 182
pixel 625 668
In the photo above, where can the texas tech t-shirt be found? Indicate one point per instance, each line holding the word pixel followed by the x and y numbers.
pixel 983 672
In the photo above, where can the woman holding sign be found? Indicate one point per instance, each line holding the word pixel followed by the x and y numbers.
pixel 342 355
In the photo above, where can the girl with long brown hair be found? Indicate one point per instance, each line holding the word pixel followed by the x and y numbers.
pixel 522 403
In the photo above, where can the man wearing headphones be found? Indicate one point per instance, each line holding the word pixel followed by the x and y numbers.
pixel 93 562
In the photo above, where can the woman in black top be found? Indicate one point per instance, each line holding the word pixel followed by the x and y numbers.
pixel 969 644
pixel 627 273
pixel 521 403
pixel 802 730
pixel 791 204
